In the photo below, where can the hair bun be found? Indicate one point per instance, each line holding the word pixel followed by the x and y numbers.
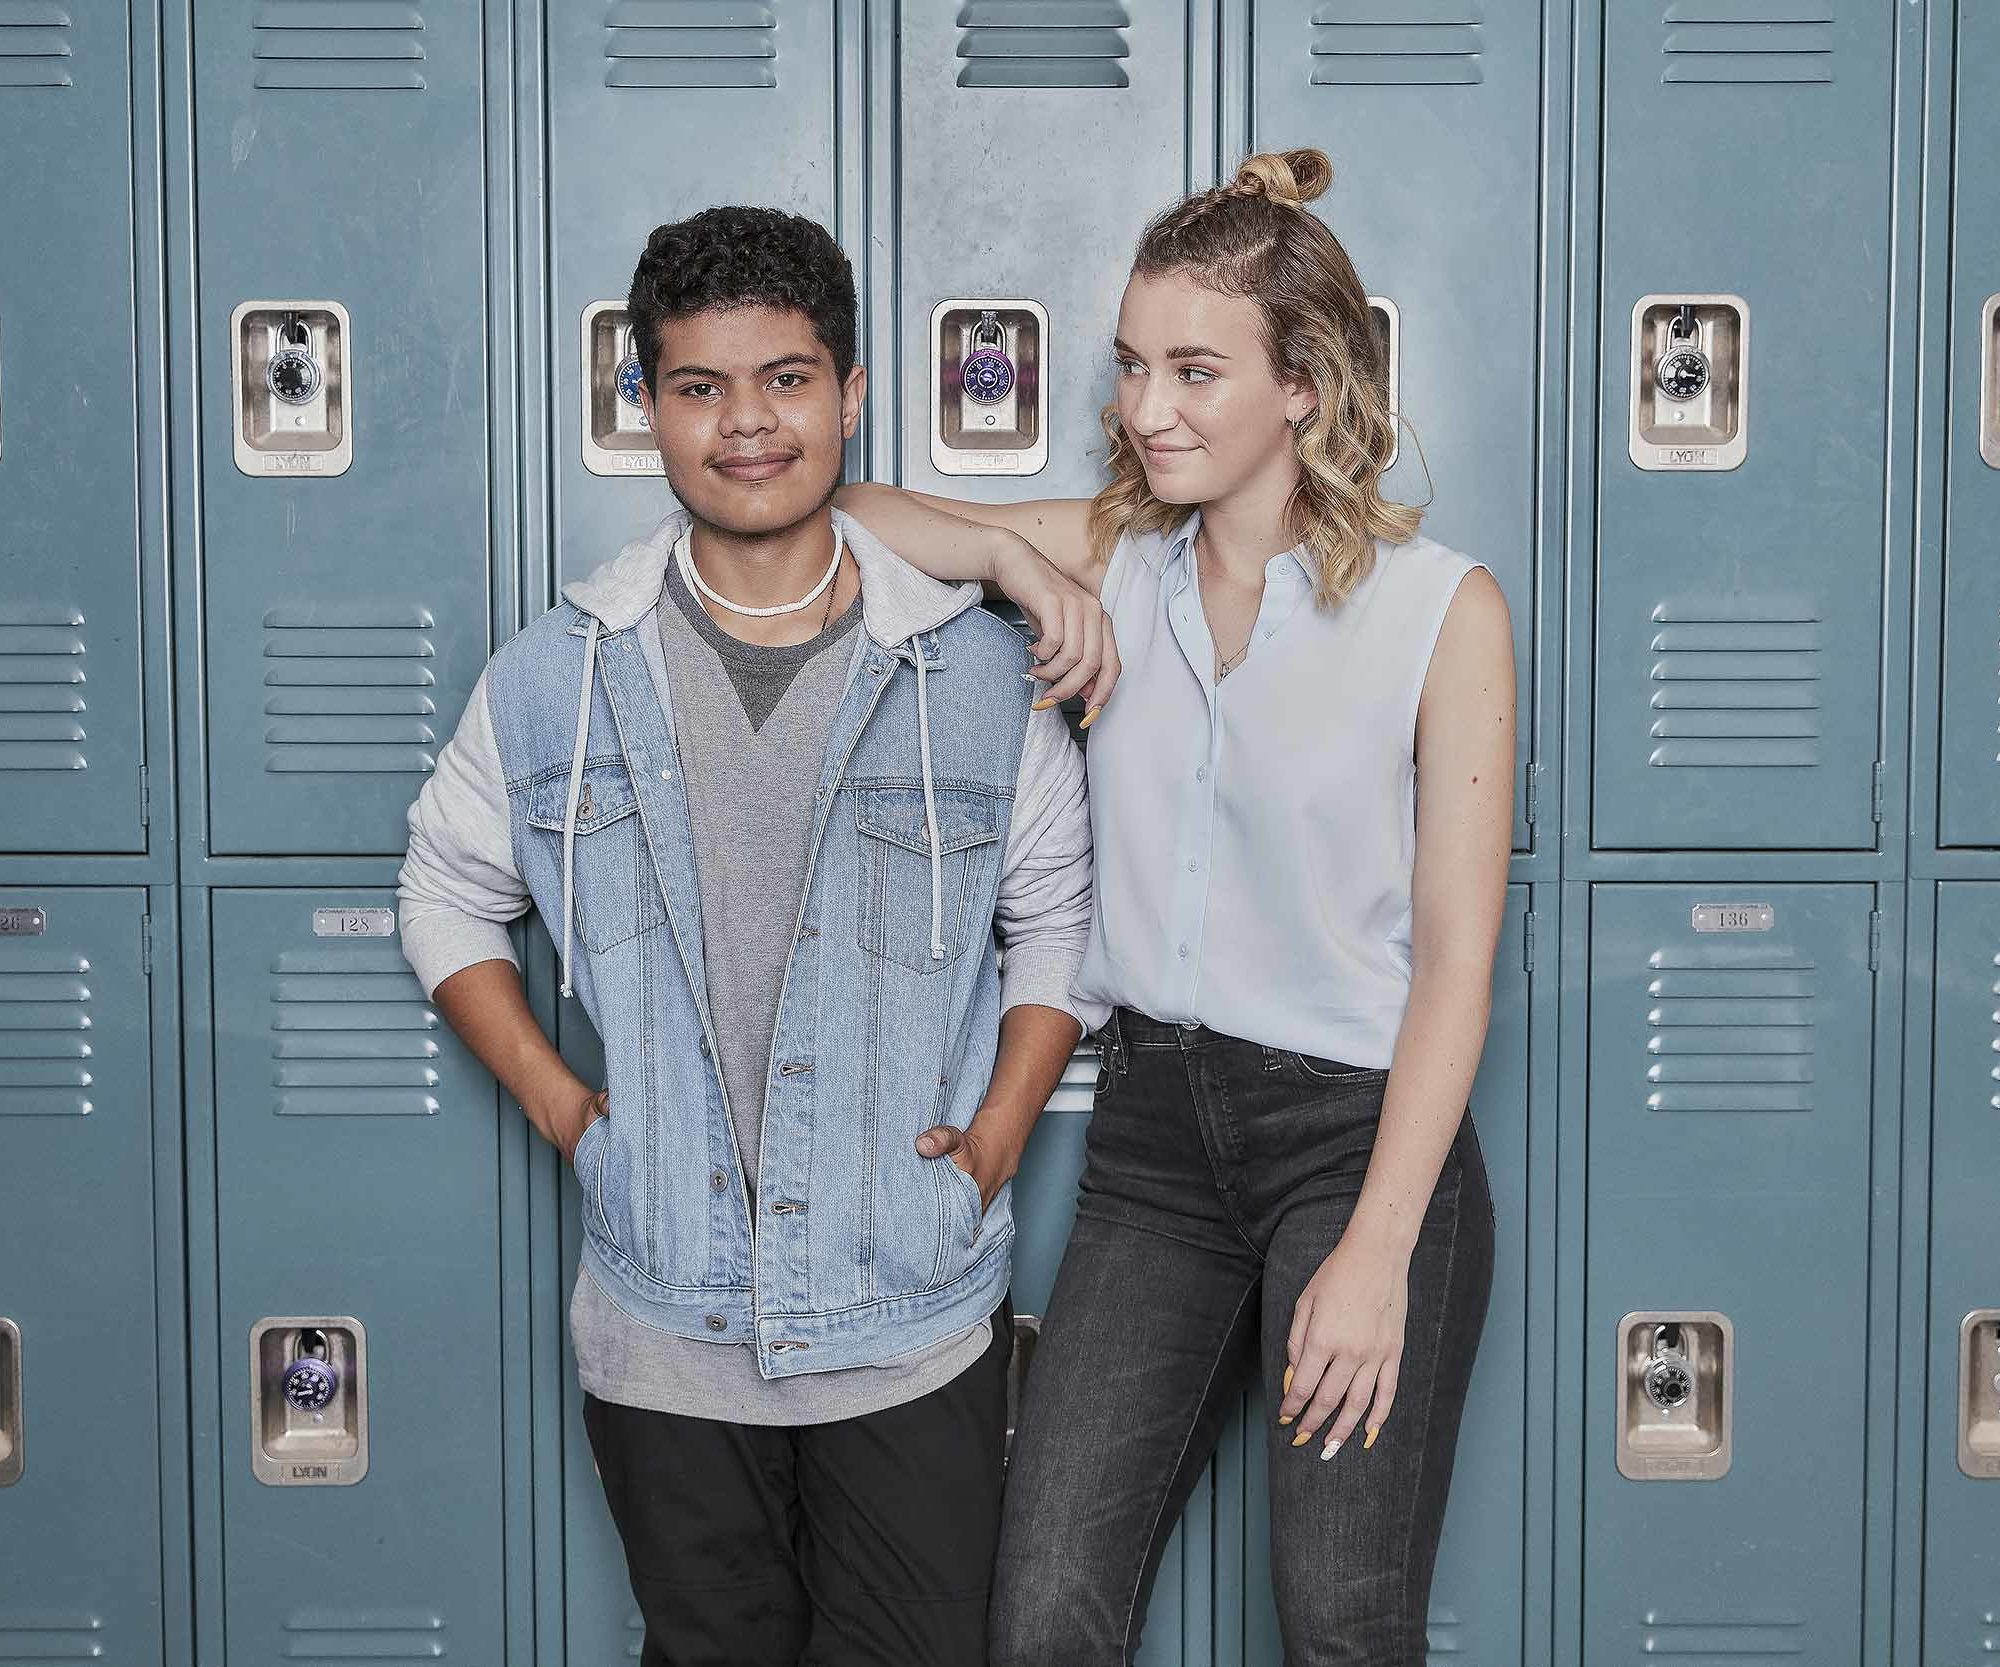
pixel 1293 177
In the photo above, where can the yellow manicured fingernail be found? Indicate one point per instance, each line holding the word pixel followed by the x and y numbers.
pixel 1302 1438
pixel 1286 1419
pixel 1041 705
pixel 1288 1379
pixel 1373 1431
pixel 1090 717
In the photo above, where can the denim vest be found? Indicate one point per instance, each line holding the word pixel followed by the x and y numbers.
pixel 860 1247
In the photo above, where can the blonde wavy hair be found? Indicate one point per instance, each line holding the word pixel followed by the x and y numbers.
pixel 1254 238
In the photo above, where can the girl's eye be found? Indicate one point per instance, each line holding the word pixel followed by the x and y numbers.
pixel 1127 366
pixel 1196 370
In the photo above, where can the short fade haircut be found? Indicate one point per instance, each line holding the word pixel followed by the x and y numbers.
pixel 743 257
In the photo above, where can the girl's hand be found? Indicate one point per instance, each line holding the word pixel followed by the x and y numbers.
pixel 1076 648
pixel 1346 1342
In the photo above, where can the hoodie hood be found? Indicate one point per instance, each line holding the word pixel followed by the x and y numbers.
pixel 898 604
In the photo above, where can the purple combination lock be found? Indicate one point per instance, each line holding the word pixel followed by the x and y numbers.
pixel 310 1381
pixel 988 374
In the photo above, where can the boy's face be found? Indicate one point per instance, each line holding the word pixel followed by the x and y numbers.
pixel 750 417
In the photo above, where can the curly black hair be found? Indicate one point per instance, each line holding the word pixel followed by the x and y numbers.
pixel 743 257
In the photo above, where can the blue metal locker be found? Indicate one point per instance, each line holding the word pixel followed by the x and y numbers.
pixel 650 106
pixel 340 183
pixel 80 1507
pixel 1747 177
pixel 358 1227
pixel 1969 726
pixel 1962 1449
pixel 1478 1588
pixel 1729 1125
pixel 72 711
pixel 1452 96
pixel 989 94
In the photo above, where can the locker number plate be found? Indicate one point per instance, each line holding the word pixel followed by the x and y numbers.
pixel 1734 917
pixel 354 923
pixel 22 923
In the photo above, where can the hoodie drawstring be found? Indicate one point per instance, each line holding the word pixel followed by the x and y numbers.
pixel 930 807
pixel 575 783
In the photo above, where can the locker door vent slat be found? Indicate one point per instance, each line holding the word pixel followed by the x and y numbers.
pixel 1042 44
pixel 41 689
pixel 34 45
pixel 45 1071
pixel 1734 685
pixel 27 1635
pixel 1397 43
pixel 660 44
pixel 348 688
pixel 1729 1027
pixel 1748 42
pixel 351 1036
pixel 329 46
pixel 1755 1638
pixel 364 1635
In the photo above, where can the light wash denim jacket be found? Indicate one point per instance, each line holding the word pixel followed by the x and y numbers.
pixel 563 786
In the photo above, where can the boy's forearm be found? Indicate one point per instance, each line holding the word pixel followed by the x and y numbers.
pixel 488 1009
pixel 1035 1047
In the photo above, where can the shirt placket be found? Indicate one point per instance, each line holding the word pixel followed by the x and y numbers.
pixel 1196 827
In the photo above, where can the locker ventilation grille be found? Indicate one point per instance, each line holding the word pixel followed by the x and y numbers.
pixel 1993 1073
pixel 370 1635
pixel 34 52
pixel 51 1637
pixel 1396 43
pixel 338 46
pixel 1729 1028
pixel 1762 1638
pixel 348 688
pixel 351 1036
pixel 1042 43
pixel 45 1049
pixel 41 689
pixel 635 1637
pixel 1734 687
pixel 1748 42
pixel 690 43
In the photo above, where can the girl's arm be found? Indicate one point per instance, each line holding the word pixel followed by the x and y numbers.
pixel 1346 1340
pixel 1036 554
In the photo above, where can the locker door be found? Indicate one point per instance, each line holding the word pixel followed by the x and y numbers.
pixel 657 109
pixel 357 1179
pixel 1730 1053
pixel 1739 610
pixel 988 97
pixel 1476 1591
pixel 72 716
pixel 80 1517
pixel 1432 119
pixel 339 159
pixel 1962 1463
pixel 1969 772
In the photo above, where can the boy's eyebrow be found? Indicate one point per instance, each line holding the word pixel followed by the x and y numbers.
pixel 764 369
pixel 1193 350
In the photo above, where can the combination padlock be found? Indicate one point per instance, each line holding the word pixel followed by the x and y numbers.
pixel 294 373
pixel 629 377
pixel 1669 1378
pixel 988 374
pixel 311 1380
pixel 1683 370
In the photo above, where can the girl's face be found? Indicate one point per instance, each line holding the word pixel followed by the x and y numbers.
pixel 1196 394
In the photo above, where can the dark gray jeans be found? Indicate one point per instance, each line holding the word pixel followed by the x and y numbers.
pixel 1218 1174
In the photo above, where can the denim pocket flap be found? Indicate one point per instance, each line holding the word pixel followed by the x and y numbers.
pixel 604 796
pixel 965 817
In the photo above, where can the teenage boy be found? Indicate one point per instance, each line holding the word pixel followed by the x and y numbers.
pixel 774 791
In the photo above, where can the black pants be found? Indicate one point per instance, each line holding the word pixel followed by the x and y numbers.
pixel 1218 1174
pixel 867 1542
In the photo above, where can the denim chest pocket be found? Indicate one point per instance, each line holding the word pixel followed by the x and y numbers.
pixel 894 919
pixel 617 895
